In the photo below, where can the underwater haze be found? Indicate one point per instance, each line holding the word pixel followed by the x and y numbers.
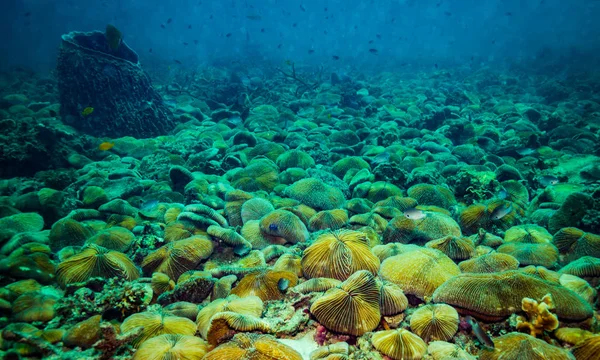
pixel 300 180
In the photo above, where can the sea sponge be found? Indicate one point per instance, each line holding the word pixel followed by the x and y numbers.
pixel 352 307
pixel 264 284
pixel 517 346
pixel 69 232
pixel 381 190
pixel 155 323
pixel 539 318
pixel 35 306
pixel 177 257
pixel 316 194
pixel 295 159
pixel 250 305
pixel 230 237
pixel 577 243
pixel 496 296
pixel 316 285
pixel 114 238
pixel 93 261
pixel 172 346
pixel 84 334
pixel 428 194
pixel 283 226
pixel 328 219
pixel 584 267
pixel 419 231
pixel 392 300
pixel 435 322
pixel 528 233
pixel 338 255
pixel 342 166
pixel 587 349
pixel 247 346
pixel 479 216
pixel 224 325
pixel 489 263
pixel 544 254
pixel 418 272
pixel 456 248
pixel 399 344
pixel 255 208
pixel 259 174
pixel 19 223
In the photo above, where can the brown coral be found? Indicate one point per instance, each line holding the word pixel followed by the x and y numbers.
pixel 177 257
pixel 435 322
pixel 264 284
pixel 172 346
pixel 399 344
pixel 245 346
pixel 539 318
pixel 518 346
pixel 157 323
pixel 338 255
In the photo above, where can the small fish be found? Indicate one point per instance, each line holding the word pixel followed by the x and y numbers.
pixel 373 51
pixel 526 151
pixel 283 284
pixel 262 30
pixel 177 61
pixel 381 158
pixel 87 111
pixel 447 13
pixel 501 211
pixel 235 120
pixel 414 214
pixel 378 36
pixel 325 9
pixel 150 50
pixel 371 41
pixel 189 26
pixel 502 194
pixel 211 17
pixel 294 24
pixel 311 51
pixel 105 146
pixel 149 205
pixel 254 17
pixel 436 65
pixel 289 62
pixel 481 335
pixel 302 8
pixel 27 14
pixel 335 57
pixel 184 43
pixel 228 35
pixel 279 46
pixel 195 42
pixel 548 180
pixel 162 26
pixel 169 20
pixel 508 13
pixel 273 227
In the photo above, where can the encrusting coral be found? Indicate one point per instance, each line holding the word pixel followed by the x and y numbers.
pixel 539 316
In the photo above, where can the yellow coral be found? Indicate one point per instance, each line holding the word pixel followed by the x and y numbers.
pixel 540 318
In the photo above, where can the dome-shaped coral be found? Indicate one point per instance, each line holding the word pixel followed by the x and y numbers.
pixel 498 213
pixel 260 174
pixel 430 227
pixel 456 248
pixel 543 254
pixel 224 325
pixel 177 257
pixel 283 226
pixel 328 219
pixel 587 349
pixel 172 346
pixel 264 284
pixel 518 346
pixel 584 267
pixel 18 223
pixel 352 307
pixel 349 162
pixel 392 300
pixel 255 209
pixel 418 272
pixel 495 296
pixel 338 255
pixel 35 306
pixel 93 261
pixel 245 346
pixel 250 305
pixel 230 237
pixel 295 159
pixel 528 233
pixel 577 243
pixel 316 194
pixel 579 286
pixel 381 190
pixel 435 322
pixel 489 263
pixel 157 323
pixel 399 344
pixel 114 238
pixel 441 350
pixel 428 194
pixel 316 285
pixel 68 232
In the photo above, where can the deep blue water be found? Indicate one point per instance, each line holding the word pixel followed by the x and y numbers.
pixel 404 32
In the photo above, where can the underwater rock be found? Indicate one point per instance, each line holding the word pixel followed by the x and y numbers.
pixel 112 83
